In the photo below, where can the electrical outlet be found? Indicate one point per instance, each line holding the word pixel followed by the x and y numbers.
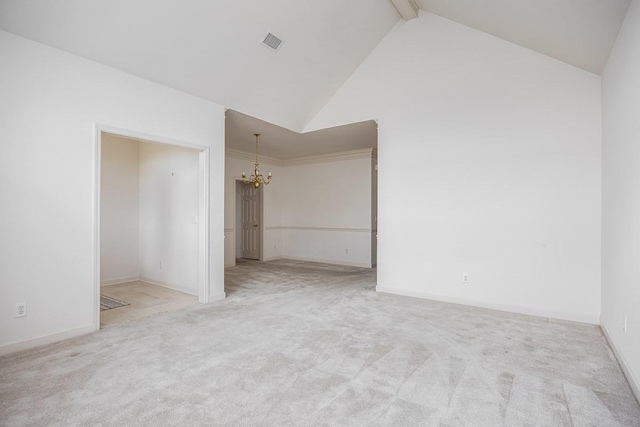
pixel 624 325
pixel 161 265
pixel 465 277
pixel 346 251
pixel 21 309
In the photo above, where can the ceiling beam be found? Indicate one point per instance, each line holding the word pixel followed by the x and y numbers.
pixel 407 8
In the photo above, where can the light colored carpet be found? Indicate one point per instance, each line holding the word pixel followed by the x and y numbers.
pixel 308 344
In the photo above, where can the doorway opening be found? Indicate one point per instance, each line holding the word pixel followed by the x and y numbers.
pixel 320 207
pixel 151 225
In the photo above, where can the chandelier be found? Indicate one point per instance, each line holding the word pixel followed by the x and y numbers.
pixel 256 179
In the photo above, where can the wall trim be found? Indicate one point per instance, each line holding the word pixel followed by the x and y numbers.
pixel 344 229
pixel 119 280
pixel 326 261
pixel 169 286
pixel 364 153
pixel 41 340
pixel 624 365
pixel 531 311
pixel 243 155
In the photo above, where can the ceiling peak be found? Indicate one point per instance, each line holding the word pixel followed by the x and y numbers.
pixel 407 8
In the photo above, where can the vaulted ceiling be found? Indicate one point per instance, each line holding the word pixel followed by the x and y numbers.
pixel 578 32
pixel 212 49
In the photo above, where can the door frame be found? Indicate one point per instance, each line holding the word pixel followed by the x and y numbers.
pixel 237 182
pixel 204 290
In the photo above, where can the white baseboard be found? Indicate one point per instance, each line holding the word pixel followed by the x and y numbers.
pixel 633 381
pixel 119 280
pixel 45 339
pixel 328 261
pixel 531 311
pixel 168 286
pixel 217 297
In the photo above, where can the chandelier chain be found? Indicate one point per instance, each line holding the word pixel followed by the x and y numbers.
pixel 256 179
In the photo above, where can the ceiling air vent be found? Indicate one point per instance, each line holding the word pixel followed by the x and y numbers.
pixel 272 42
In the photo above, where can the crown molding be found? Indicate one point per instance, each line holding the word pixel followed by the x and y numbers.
pixel 365 153
pixel 243 155
pixel 340 229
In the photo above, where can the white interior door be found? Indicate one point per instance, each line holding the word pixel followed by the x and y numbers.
pixel 251 212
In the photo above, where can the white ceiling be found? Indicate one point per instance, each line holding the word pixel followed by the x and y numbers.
pixel 283 144
pixel 211 49
pixel 578 32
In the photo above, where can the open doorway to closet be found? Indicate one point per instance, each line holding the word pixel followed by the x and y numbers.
pixel 150 203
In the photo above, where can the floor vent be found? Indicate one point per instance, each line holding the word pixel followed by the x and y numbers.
pixel 272 42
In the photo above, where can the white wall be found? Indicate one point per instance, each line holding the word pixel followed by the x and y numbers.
pixel 489 164
pixel 327 212
pixel 50 102
pixel 119 210
pixel 169 202
pixel 621 196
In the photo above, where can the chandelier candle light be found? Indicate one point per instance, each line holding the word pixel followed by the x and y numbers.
pixel 256 179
